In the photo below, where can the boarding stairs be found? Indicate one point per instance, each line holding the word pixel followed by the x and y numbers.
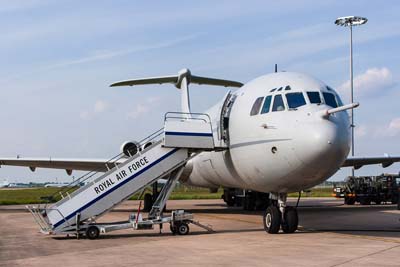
pixel 162 154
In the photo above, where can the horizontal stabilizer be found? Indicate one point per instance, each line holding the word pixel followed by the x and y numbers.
pixel 144 81
pixel 175 79
pixel 212 81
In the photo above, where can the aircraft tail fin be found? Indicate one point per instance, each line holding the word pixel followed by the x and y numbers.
pixel 181 81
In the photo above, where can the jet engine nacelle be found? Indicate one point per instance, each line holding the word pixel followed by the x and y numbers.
pixel 130 148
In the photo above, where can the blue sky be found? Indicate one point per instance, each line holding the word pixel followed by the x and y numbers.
pixel 59 57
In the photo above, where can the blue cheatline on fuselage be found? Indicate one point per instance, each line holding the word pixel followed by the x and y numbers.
pixel 188 134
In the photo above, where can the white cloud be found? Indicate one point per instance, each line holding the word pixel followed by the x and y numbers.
pixel 99 55
pixel 85 115
pixel 360 131
pixel 394 127
pixel 143 108
pixel 140 109
pixel 390 129
pixel 372 81
pixel 153 99
pixel 100 106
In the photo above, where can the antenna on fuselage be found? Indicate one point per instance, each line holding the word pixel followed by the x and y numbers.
pixel 276 68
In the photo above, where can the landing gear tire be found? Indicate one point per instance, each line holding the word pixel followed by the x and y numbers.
pixel 349 200
pixel 365 201
pixel 395 199
pixel 291 220
pixel 230 202
pixel 173 229
pixel 398 203
pixel 148 202
pixel 183 229
pixel 92 232
pixel 272 220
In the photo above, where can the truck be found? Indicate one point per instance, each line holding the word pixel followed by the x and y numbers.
pixel 384 188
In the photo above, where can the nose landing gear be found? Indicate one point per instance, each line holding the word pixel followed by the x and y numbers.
pixel 278 215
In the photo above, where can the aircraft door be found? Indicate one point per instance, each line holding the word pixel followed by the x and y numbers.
pixel 223 125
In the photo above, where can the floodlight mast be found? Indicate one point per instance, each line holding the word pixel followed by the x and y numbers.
pixel 351 21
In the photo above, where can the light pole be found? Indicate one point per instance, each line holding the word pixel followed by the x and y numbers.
pixel 351 21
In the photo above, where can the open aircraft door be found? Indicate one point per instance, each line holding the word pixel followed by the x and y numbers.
pixel 223 122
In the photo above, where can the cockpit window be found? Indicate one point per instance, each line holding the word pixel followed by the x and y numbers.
pixel 339 100
pixel 314 97
pixel 256 106
pixel 267 104
pixel 278 103
pixel 330 100
pixel 295 100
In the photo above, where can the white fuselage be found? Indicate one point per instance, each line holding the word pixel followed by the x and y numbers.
pixel 276 151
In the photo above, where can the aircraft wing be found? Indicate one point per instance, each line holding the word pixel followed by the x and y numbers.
pixel 101 165
pixel 357 163
pixel 67 164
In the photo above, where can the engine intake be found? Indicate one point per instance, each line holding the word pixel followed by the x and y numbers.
pixel 129 148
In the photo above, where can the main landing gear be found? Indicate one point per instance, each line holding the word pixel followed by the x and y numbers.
pixel 278 215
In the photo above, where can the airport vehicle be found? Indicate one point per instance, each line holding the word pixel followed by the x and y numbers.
pixel 248 199
pixel 282 132
pixel 366 189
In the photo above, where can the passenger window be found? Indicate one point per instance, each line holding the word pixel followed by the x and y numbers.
pixel 330 100
pixel 314 97
pixel 295 100
pixel 267 104
pixel 256 106
pixel 278 103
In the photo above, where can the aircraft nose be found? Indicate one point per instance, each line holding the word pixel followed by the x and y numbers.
pixel 323 147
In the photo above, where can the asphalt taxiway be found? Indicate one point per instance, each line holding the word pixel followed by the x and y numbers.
pixel 330 234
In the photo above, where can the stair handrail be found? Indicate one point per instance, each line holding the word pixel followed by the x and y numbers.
pixel 184 116
pixel 113 160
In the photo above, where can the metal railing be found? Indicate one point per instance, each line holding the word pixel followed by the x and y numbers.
pixel 187 116
pixel 90 177
pixel 70 190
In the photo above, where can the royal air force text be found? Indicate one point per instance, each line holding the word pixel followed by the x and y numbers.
pixel 119 176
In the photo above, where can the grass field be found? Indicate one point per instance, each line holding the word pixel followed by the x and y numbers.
pixel 35 195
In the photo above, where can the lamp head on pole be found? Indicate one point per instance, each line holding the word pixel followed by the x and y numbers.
pixel 350 21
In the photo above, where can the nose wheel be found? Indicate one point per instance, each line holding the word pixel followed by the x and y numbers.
pixel 291 220
pixel 273 219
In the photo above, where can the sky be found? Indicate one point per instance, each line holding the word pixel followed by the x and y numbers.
pixel 58 59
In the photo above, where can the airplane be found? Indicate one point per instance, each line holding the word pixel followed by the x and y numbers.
pixel 284 132
pixel 57 184
pixel 4 184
